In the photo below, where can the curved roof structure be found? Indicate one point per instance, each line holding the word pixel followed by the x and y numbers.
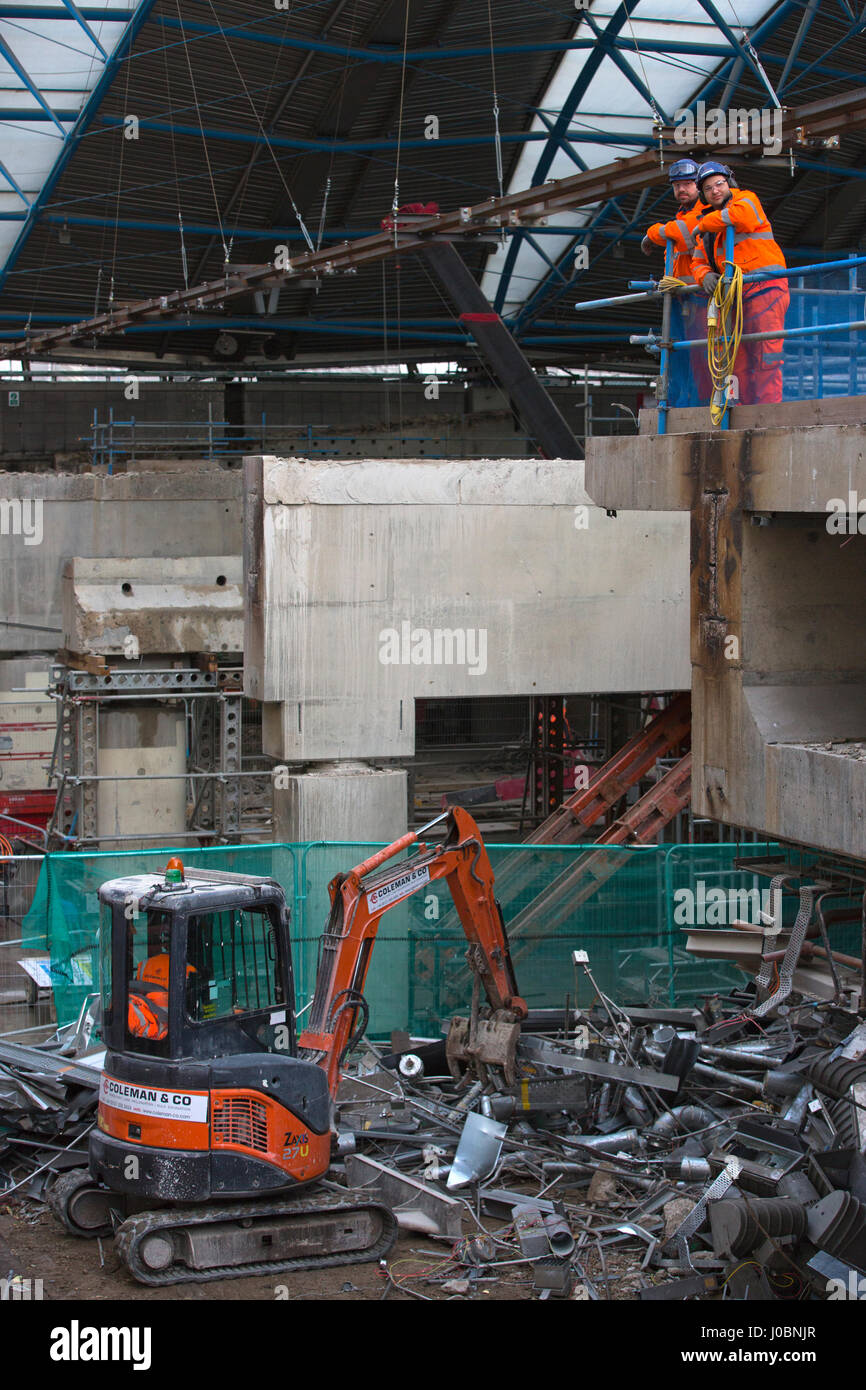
pixel 146 146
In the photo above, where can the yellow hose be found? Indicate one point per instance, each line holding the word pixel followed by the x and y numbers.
pixel 669 283
pixel 724 331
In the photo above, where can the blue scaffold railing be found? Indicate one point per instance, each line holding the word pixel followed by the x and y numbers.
pixel 819 328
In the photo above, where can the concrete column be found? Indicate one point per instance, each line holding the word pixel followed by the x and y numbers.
pixel 354 802
pixel 341 801
pixel 140 744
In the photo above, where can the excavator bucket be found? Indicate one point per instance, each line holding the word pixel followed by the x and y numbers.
pixel 494 1044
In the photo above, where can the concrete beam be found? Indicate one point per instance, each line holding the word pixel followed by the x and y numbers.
pixel 372 584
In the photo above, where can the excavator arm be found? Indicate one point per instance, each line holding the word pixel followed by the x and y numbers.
pixel 359 900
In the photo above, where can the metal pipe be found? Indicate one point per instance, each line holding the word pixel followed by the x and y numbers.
pixel 857 326
pixel 665 359
pixel 159 777
pixel 627 1139
pixel 685 1117
pixel 435 821
pixel 711 1073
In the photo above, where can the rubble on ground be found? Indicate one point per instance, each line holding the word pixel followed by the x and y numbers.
pixel 639 1153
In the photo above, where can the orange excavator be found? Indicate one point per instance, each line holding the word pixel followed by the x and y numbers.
pixel 213 1118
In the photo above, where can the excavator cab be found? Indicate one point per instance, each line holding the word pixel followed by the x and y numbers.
pixel 203 1093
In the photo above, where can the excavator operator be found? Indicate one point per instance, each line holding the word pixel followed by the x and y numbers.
pixel 147 1012
pixel 148 998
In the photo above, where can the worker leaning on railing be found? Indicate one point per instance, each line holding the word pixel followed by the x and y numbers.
pixel 680 231
pixel 758 365
pixel 681 228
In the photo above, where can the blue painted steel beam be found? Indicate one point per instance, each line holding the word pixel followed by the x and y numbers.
pixel 539 251
pixel 843 170
pixel 854 30
pixel 89 12
pixel 562 141
pixel 18 68
pixel 304 325
pixel 4 173
pixel 802 31
pixel 21 113
pixel 72 139
pixel 765 30
pixel 545 295
pixel 79 18
pixel 393 53
pixel 282 324
pixel 542 291
pixel 675 47
pixel 284 142
pixel 736 44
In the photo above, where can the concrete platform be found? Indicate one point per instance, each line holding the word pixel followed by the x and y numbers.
pixel 778 609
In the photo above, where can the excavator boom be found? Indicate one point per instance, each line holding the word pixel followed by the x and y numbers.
pixel 359 900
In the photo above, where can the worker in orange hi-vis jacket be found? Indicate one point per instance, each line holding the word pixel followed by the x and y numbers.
pixel 680 230
pixel 758 366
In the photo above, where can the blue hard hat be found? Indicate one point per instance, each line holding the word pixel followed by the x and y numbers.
pixel 683 169
pixel 712 166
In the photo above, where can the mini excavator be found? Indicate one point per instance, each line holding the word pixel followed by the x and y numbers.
pixel 214 1113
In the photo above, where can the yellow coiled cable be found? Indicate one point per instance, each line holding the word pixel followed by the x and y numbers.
pixel 724 331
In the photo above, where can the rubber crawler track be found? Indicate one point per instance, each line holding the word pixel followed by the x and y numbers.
pixel 129 1236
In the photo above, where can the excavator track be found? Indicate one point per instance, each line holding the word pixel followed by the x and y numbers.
pixel 174 1246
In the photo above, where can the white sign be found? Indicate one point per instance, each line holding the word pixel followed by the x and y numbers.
pixel 398 888
pixel 153 1100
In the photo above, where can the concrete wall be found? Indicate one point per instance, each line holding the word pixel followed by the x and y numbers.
pixel 393 419
pixel 351 569
pixel 56 417
pixel 196 512
pixel 28 724
pixel 342 801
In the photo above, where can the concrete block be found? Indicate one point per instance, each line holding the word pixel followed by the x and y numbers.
pixel 133 607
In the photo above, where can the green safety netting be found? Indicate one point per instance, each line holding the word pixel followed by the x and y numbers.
pixel 622 905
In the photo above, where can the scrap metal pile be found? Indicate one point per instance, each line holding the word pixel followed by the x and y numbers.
pixel 48 1099
pixel 615 1153
pixel 630 1153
